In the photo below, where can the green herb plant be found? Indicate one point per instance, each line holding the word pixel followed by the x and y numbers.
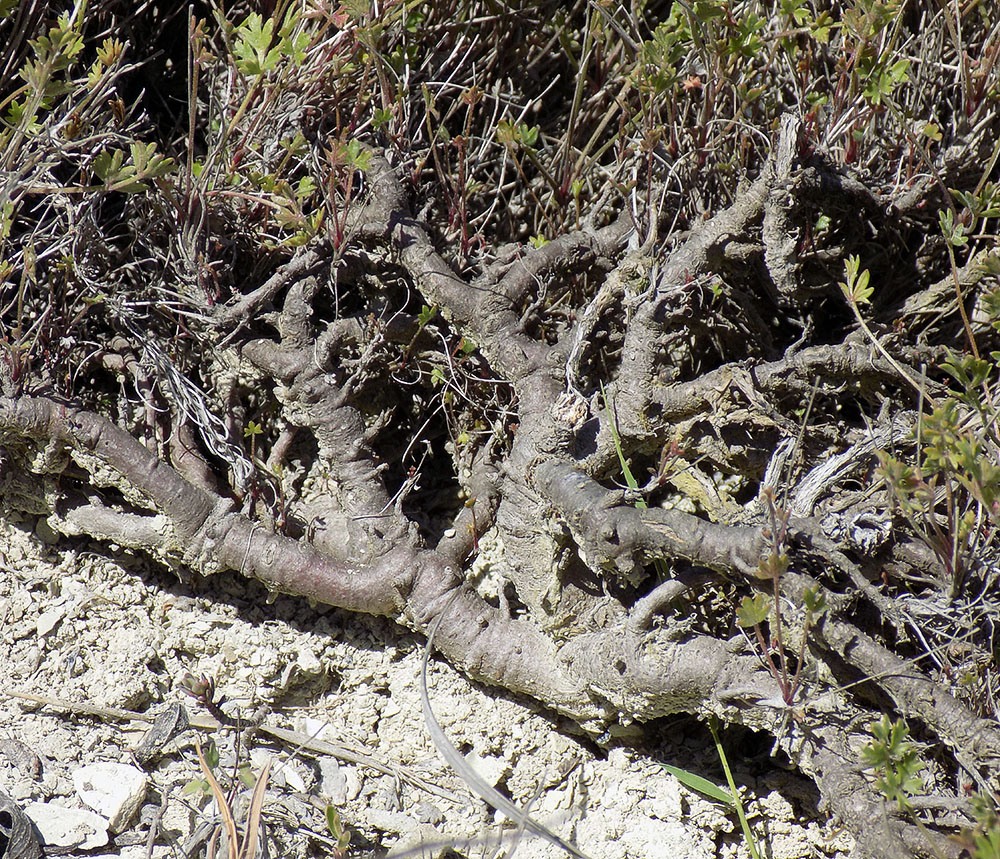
pixel 689 779
pixel 949 495
pixel 982 841
pixel 340 833
pixel 662 570
pixel 754 611
pixel 895 761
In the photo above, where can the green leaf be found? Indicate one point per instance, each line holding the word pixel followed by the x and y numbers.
pixel 796 10
pixel 246 775
pixel 702 785
pixel 211 755
pixel 336 827
pixel 821 27
pixel 737 802
pixel 953 232
pixel 6 219
pixel 197 785
pixel 126 177
pixel 626 470
pixel 108 164
pixel 425 315
pixel 252 50
pixel 856 288
pixel 305 188
pixel 932 131
pixel 357 156
pixel 147 163
pixel 508 133
pixel 774 566
pixel 862 291
pixel 753 611
pixel 970 372
pixel 528 134
pixel 505 132
pixel 111 168
pixel 814 600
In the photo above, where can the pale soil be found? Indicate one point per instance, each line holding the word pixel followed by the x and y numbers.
pixel 80 626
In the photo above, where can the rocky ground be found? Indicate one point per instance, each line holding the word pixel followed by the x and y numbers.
pixel 337 700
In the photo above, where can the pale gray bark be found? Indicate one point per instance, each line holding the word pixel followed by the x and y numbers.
pixel 579 624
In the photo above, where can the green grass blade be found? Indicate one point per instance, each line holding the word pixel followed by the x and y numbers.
pixel 740 812
pixel 702 785
pixel 626 471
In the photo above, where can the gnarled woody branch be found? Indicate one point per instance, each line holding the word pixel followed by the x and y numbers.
pixel 716 363
pixel 622 668
pixel 614 661
pixel 627 538
pixel 616 534
pixel 404 583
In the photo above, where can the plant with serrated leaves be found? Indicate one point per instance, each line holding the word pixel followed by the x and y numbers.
pixel 895 761
pixel 755 611
pixel 64 124
pixel 982 841
pixel 127 172
pixel 950 493
pixel 257 51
